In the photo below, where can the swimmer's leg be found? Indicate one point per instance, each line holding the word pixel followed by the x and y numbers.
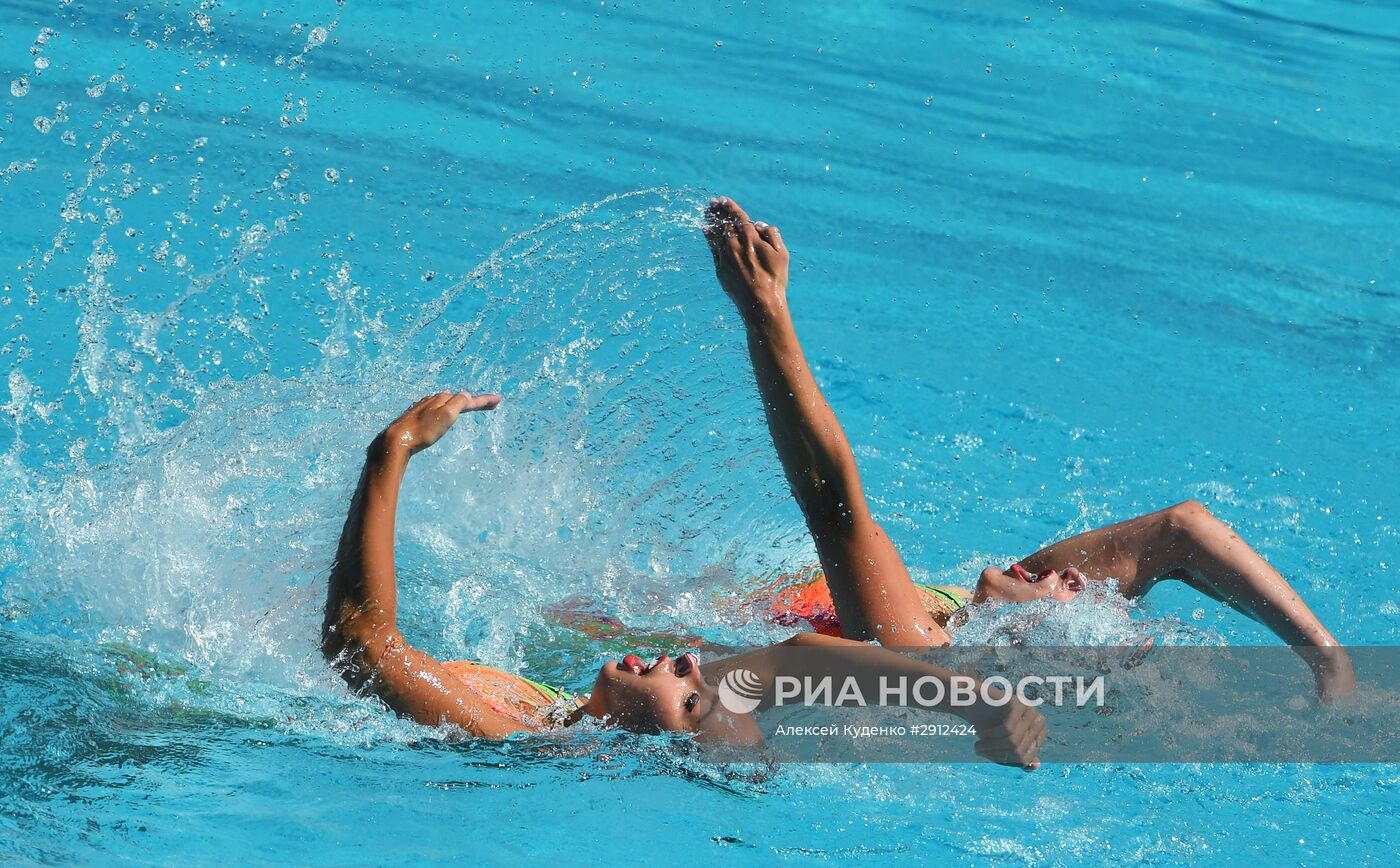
pixel 1187 543
pixel 871 589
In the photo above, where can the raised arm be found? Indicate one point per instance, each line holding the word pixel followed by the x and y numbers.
pixel 1186 543
pixel 870 586
pixel 360 635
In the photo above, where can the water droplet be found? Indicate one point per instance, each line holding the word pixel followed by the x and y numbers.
pixel 333 176
pixel 43 124
pixel 317 37
pixel 19 87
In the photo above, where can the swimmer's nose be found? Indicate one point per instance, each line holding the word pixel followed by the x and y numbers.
pixel 685 664
pixel 1073 579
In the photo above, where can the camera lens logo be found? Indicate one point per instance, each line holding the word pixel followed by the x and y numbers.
pixel 740 691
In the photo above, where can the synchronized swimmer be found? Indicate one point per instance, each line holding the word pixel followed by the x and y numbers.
pixel 862 591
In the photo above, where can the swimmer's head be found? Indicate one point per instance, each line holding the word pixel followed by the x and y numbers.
pixel 1018 585
pixel 667 696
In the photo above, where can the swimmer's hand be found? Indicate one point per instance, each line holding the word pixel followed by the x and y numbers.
pixel 425 422
pixel 751 260
pixel 1010 734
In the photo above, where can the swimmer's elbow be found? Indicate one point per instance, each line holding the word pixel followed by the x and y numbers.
pixel 356 648
pixel 843 522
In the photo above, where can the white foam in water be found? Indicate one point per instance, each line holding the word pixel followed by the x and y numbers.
pixel 1097 616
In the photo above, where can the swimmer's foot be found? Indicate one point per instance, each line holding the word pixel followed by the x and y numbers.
pixel 751 260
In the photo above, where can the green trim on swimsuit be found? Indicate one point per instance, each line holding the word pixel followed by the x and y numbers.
pixel 952 599
pixel 553 694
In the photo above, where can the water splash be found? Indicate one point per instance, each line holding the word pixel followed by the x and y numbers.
pixel 628 462
pixel 1097 616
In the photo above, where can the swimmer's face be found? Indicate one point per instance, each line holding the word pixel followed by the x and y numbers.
pixel 668 696
pixel 1017 585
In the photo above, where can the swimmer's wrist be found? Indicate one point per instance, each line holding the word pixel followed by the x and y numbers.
pixel 761 314
pixel 390 443
pixel 769 321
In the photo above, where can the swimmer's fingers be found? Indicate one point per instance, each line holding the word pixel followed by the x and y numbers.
pixel 994 744
pixel 720 234
pixel 713 222
pixel 1029 745
pixel 720 221
pixel 770 234
pixel 1016 742
pixel 715 231
pixel 739 227
pixel 465 402
pixel 1003 751
pixel 738 214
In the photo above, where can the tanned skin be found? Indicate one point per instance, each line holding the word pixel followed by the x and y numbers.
pixel 870 585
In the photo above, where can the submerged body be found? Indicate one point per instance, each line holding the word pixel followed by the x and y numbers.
pixel 863 592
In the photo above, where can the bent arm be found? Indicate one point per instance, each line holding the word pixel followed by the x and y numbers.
pixel 1187 543
pixel 360 635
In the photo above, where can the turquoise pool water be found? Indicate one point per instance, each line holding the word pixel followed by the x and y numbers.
pixel 1057 265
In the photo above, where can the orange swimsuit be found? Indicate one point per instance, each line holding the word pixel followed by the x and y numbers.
pixel 806 597
pixel 514 696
